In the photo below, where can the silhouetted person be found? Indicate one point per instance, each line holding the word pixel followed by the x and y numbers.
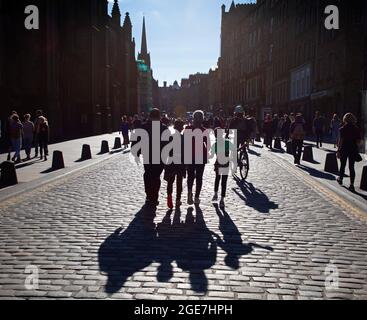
pixel 195 171
pixel 297 133
pixel 28 134
pixel 268 131
pixel 348 148
pixel 125 131
pixel 221 169
pixel 176 171
pixel 9 145
pixel 39 114
pixel 335 129
pixel 16 133
pixel 43 137
pixel 319 129
pixel 153 172
pixel 286 128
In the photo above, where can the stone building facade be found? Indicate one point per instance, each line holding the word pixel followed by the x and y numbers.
pixel 79 67
pixel 278 57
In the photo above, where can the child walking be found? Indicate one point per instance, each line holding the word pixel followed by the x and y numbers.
pixel 176 171
pixel 221 151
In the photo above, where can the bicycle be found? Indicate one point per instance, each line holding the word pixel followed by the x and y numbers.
pixel 243 161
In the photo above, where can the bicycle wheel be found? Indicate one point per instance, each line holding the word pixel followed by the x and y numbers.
pixel 244 165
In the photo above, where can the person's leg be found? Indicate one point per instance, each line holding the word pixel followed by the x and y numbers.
pixel 190 177
pixel 46 148
pixel 216 184
pixel 299 150
pixel 17 145
pixel 156 179
pixel 40 147
pixel 179 183
pixel 28 147
pixel 190 183
pixel 170 183
pixel 224 185
pixel 352 171
pixel 294 149
pixel 321 138
pixel 199 179
pixel 147 179
pixel 36 145
pixel 343 164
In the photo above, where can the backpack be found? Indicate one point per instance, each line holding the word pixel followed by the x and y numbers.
pixel 298 132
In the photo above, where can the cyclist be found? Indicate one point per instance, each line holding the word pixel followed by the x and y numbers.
pixel 243 129
pixel 241 124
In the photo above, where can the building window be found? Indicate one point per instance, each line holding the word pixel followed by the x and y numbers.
pixel 301 83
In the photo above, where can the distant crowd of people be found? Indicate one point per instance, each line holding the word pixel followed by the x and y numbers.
pixel 26 134
pixel 345 134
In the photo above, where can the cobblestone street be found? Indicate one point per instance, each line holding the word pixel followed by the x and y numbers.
pixel 90 238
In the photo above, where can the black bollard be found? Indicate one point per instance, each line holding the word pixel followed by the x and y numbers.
pixel 308 154
pixel 86 152
pixel 8 174
pixel 278 144
pixel 331 163
pixel 105 147
pixel 290 147
pixel 57 161
pixel 364 179
pixel 117 143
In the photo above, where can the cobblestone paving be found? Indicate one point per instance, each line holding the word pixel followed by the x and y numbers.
pixel 90 238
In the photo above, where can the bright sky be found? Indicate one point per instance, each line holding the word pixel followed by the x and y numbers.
pixel 183 35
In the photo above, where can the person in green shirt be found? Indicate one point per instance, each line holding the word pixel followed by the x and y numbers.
pixel 222 165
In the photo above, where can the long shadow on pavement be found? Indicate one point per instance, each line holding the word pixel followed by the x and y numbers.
pixel 124 253
pixel 254 197
pixel 189 243
pixel 232 242
pixel 356 193
pixel 254 153
pixel 316 173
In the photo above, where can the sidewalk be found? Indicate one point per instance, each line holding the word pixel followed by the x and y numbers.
pixel 37 170
pixel 316 171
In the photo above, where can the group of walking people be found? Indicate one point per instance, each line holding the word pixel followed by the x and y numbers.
pixel 177 171
pixel 26 134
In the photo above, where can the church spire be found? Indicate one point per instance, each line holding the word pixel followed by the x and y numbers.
pixel 233 6
pixel 144 55
pixel 144 46
pixel 116 14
